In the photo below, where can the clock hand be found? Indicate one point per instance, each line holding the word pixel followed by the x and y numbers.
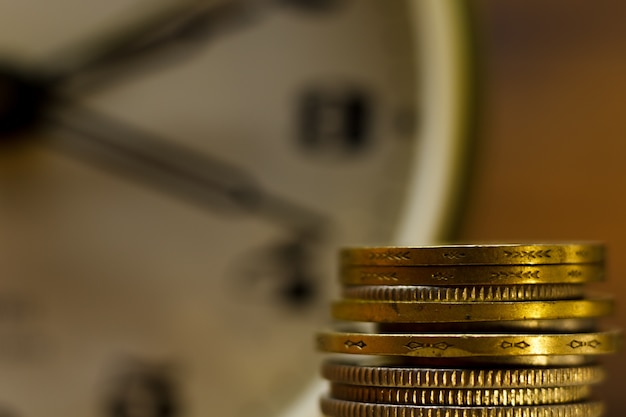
pixel 157 36
pixel 173 168
pixel 183 23
pixel 25 91
pixel 202 180
pixel 180 171
pixel 23 97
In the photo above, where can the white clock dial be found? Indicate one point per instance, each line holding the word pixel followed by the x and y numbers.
pixel 120 299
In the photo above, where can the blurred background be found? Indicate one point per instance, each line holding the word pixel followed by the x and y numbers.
pixel 293 124
pixel 551 153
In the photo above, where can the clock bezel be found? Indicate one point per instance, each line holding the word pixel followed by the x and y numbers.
pixel 440 179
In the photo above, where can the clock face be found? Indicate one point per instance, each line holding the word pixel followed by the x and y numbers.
pixel 118 297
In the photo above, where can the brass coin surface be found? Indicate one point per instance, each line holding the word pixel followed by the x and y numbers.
pixel 509 254
pixel 505 326
pixel 470 344
pixel 460 378
pixel 500 361
pixel 340 408
pixel 473 293
pixel 472 274
pixel 460 397
pixel 441 312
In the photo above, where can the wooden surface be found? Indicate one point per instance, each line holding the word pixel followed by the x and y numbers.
pixel 551 162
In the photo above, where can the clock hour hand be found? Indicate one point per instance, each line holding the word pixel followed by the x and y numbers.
pixel 180 171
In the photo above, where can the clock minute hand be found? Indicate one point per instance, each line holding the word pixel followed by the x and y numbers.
pixel 151 37
pixel 175 169
pixel 155 35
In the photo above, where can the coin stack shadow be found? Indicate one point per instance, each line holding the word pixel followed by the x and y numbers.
pixel 468 330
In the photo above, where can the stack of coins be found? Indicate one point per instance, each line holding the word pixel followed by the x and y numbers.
pixel 468 330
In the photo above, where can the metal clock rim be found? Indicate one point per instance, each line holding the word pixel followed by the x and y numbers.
pixel 454 31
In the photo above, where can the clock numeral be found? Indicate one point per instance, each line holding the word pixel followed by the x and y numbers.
pixel 144 389
pixel 334 120
pixel 286 264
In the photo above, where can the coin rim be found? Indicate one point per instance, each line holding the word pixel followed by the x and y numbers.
pixel 339 408
pixel 464 312
pixel 471 293
pixel 470 345
pixel 474 397
pixel 424 377
pixel 443 275
pixel 503 254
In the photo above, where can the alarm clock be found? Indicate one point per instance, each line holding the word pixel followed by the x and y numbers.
pixel 176 179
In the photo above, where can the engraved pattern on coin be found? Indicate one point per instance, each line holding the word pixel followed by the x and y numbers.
pixel 365 276
pixel 517 274
pixel 419 345
pixel 465 345
pixel 360 344
pixel 390 256
pixel 458 275
pixel 442 276
pixel 575 344
pixel 538 254
pixel 454 255
pixel 519 345
pixel 528 254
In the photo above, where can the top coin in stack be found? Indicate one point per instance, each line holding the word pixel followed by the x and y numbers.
pixel 471 274
pixel 509 254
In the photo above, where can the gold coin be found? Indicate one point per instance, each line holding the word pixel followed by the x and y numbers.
pixel 510 254
pixel 499 361
pixel 441 312
pixel 505 326
pixel 470 344
pixel 473 293
pixel 460 397
pixel 472 274
pixel 496 361
pixel 340 408
pixel 460 378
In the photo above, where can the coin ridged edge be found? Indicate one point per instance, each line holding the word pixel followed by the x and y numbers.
pixel 339 408
pixel 382 376
pixel 477 397
pixel 472 293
